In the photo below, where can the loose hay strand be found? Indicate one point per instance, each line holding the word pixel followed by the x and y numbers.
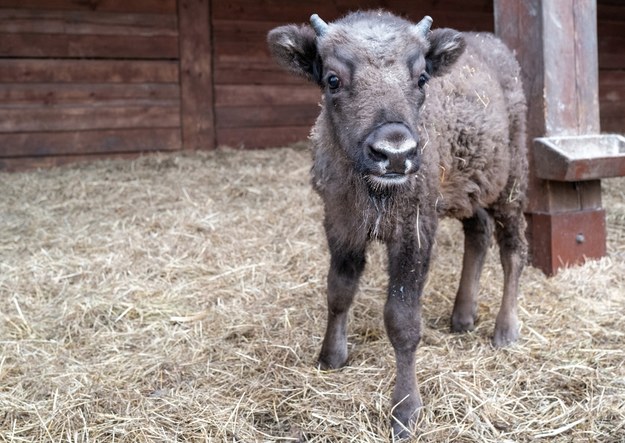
pixel 181 297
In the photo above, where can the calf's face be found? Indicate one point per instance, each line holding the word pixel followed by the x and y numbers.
pixel 373 71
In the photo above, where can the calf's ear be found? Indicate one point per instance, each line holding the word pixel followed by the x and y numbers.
pixel 295 48
pixel 446 46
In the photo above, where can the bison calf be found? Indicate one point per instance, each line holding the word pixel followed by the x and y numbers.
pixel 414 125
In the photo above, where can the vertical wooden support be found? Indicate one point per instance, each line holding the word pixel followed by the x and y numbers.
pixel 196 78
pixel 556 45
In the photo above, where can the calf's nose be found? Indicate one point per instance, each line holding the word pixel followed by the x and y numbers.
pixel 394 148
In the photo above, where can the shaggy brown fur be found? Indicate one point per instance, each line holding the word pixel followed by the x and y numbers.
pixel 393 152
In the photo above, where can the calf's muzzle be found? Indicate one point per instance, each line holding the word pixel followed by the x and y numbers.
pixel 391 150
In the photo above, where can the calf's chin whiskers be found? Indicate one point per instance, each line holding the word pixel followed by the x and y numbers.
pixel 379 184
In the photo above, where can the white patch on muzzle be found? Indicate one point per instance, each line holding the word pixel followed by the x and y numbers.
pixel 397 148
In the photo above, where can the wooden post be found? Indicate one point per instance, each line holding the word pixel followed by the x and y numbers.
pixel 196 78
pixel 556 45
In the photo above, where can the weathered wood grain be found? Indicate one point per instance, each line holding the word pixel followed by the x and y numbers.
pixel 261 137
pixel 266 95
pixel 45 94
pixel 88 46
pixel 12 164
pixel 87 71
pixel 134 114
pixel 245 116
pixel 219 73
pixel 196 74
pixel 148 6
pixel 43 144
pixel 87 22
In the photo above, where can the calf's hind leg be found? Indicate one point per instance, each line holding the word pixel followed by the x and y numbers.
pixel 346 267
pixel 478 231
pixel 513 251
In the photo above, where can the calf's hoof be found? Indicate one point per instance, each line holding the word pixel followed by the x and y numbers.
pixel 328 361
pixel 461 324
pixel 506 333
pixel 404 417
pixel 463 317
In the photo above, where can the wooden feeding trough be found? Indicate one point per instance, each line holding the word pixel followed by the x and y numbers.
pixel 579 158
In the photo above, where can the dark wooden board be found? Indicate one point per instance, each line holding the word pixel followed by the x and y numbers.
pixel 37 144
pixel 255 32
pixel 87 71
pixel 612 101
pixel 254 116
pixel 266 95
pixel 88 46
pixel 87 22
pixel 261 137
pixel 46 94
pixel 149 6
pixel 241 43
pixel 296 12
pixel 611 54
pixel 611 40
pixel 612 85
pixel 37 118
pixel 613 116
pixel 610 10
pixel 13 164
pixel 238 70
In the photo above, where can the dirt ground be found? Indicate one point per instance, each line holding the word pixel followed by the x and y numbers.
pixel 182 298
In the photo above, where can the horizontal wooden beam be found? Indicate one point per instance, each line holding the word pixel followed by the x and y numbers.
pixel 261 137
pixel 266 95
pixel 87 71
pixel 43 144
pixel 254 116
pixel 29 163
pixel 88 46
pixel 46 94
pixel 133 114
pixel 37 21
pixel 149 6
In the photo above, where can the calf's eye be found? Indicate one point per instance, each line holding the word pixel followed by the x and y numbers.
pixel 423 79
pixel 334 82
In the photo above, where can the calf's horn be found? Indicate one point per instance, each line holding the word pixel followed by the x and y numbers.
pixel 423 27
pixel 318 25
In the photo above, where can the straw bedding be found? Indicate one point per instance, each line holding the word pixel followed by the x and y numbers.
pixel 181 298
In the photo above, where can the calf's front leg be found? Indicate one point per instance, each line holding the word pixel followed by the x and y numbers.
pixel 408 266
pixel 346 266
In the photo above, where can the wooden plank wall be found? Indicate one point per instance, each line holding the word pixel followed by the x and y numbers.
pixel 100 77
pixel 256 103
pixel 87 78
pixel 611 37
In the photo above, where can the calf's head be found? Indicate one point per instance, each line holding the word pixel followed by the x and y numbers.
pixel 372 68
